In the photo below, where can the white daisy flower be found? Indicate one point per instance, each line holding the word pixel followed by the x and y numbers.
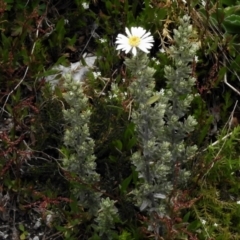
pixel 85 5
pixel 203 221
pixel 137 37
pixel 96 74
pixel 103 40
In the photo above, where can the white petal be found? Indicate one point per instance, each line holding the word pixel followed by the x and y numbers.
pixel 128 32
pixel 148 38
pixel 145 45
pixel 146 34
pixel 133 30
pixel 146 42
pixel 121 37
pixel 121 42
pixel 134 51
pixel 140 32
pixel 119 47
pixel 143 49
pixel 128 49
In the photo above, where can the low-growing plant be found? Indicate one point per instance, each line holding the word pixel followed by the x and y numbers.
pixel 113 157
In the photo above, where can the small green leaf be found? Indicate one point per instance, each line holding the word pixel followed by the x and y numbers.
pixel 186 217
pixel 134 176
pixel 16 31
pixel 9 108
pixel 21 227
pixel 112 158
pixel 58 92
pixel 153 99
pixel 117 144
pixel 129 132
pixel 16 97
pixel 22 236
pixel 6 42
pixel 131 143
pixel 232 24
pixel 193 226
pixel 228 2
pixel 125 183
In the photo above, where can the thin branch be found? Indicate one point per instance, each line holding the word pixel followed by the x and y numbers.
pixel 225 79
pixel 226 82
pixel 26 71
pixel 224 138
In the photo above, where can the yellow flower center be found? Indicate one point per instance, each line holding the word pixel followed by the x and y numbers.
pixel 134 41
